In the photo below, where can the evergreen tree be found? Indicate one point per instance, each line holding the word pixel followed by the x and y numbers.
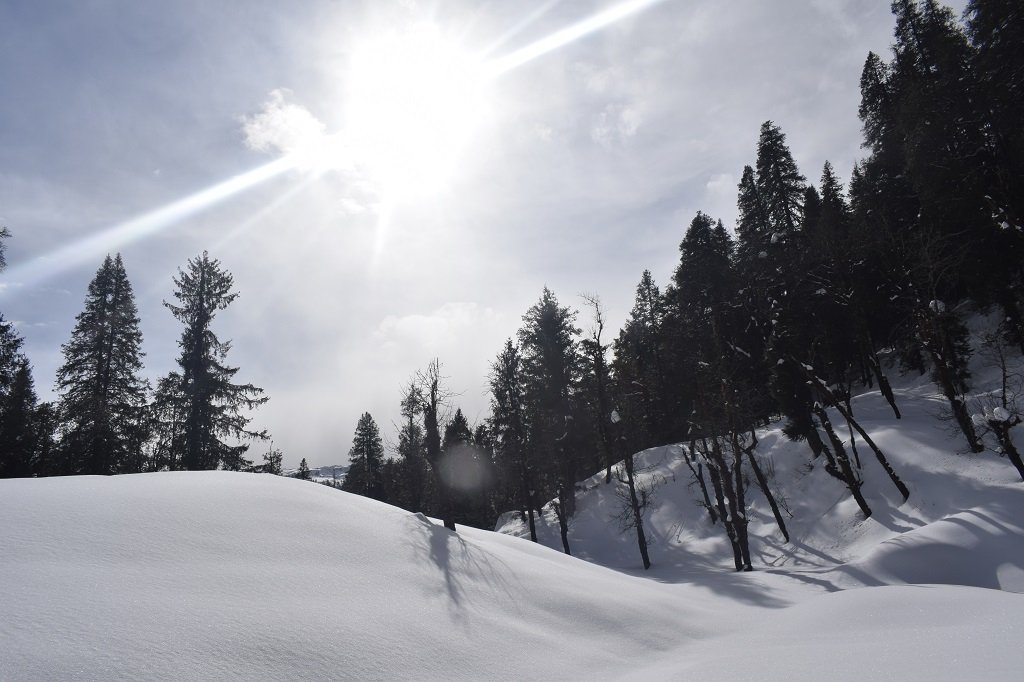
pixel 102 394
pixel 551 369
pixel 10 355
pixel 640 363
pixel 412 489
pixel 996 30
pixel 202 402
pixel 272 460
pixel 456 431
pixel 4 235
pixel 509 426
pixel 367 457
pixel 780 185
pixel 303 473
pixel 18 429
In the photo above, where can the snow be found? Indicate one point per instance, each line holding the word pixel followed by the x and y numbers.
pixel 217 575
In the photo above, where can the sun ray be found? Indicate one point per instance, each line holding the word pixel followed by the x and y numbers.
pixel 567 35
pixel 113 238
pixel 438 137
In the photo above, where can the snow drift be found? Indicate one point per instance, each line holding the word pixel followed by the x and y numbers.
pixel 218 575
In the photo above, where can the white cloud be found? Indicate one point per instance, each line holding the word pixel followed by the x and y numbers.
pixel 616 123
pixel 282 126
pixel 446 327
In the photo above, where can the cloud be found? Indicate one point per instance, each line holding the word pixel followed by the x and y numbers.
pixel 282 126
pixel 616 123
pixel 446 327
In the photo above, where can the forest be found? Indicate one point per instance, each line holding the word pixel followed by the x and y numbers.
pixel 820 288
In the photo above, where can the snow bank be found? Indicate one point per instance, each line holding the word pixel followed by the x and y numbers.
pixel 220 575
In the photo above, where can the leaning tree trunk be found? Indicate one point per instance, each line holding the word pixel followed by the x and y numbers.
pixel 716 473
pixel 698 474
pixel 1002 431
pixel 763 483
pixel 883 383
pixel 847 414
pixel 852 482
pixel 638 516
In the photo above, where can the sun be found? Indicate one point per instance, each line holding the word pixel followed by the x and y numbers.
pixel 414 100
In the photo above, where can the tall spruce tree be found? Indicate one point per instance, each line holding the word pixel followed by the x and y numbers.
pixel 367 460
pixel 204 404
pixel 102 395
pixel 19 435
pixel 509 427
pixel 639 363
pixel 551 368
pixel 412 488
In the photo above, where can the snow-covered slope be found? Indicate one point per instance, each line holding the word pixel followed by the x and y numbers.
pixel 225 575
pixel 963 523
pixel 216 575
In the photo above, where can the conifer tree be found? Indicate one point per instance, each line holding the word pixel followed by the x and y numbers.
pixel 551 368
pixel 202 403
pixel 779 183
pixel 18 429
pixel 509 427
pixel 303 473
pixel 413 488
pixel 102 394
pixel 367 457
pixel 640 362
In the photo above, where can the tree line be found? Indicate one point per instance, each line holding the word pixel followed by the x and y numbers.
pixel 819 289
pixel 108 419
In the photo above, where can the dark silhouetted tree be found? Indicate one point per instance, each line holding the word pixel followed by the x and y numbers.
pixel 201 400
pixel 102 395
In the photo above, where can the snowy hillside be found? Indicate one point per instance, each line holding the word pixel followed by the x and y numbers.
pixel 962 524
pixel 219 575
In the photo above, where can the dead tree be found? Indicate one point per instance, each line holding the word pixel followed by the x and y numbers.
pixel 434 399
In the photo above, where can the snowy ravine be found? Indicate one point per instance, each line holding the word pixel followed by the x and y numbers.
pixel 216 575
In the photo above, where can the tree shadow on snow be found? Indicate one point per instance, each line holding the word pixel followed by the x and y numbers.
pixel 457 560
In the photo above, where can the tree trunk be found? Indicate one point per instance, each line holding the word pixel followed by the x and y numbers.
pixel 739 506
pixel 883 383
pixel 1002 431
pixel 698 474
pixel 563 520
pixel 715 472
pixel 763 483
pixel 878 453
pixel 852 482
pixel 638 517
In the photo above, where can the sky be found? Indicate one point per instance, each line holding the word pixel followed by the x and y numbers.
pixel 390 182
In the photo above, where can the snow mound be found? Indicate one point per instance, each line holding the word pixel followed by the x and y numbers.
pixel 887 633
pixel 980 547
pixel 213 575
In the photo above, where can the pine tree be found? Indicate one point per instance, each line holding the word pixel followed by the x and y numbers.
pixel 996 30
pixel 412 491
pixel 18 430
pixel 102 394
pixel 779 183
pixel 509 427
pixel 202 402
pixel 303 473
pixel 367 458
pixel 551 368
pixel 640 363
